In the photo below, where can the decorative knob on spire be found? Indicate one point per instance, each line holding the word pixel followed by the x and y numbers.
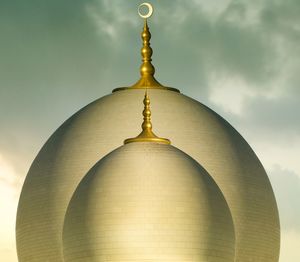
pixel 147 70
pixel 147 134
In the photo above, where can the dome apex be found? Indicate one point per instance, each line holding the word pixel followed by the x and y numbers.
pixel 147 134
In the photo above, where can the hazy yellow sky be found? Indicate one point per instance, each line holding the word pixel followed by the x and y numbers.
pixel 241 58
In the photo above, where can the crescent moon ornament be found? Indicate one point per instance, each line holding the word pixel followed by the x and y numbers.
pixel 150 10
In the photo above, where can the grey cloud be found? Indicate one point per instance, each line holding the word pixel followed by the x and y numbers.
pixel 279 115
pixel 282 17
pixel 50 59
pixel 267 119
pixel 222 45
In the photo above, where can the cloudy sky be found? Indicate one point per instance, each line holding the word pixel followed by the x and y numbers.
pixel 241 58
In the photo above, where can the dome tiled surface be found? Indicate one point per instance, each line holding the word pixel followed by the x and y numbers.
pixel 102 126
pixel 148 202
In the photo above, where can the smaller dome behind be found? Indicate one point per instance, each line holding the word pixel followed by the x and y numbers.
pixel 148 202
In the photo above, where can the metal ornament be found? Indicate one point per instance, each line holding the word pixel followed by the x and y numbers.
pixel 150 10
pixel 147 70
pixel 147 134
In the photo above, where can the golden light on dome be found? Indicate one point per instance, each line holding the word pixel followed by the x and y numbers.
pixel 148 202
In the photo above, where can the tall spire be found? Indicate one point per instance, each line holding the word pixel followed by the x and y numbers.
pixel 147 134
pixel 147 70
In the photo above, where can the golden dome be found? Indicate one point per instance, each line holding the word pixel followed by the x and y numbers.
pixel 148 202
pixel 99 128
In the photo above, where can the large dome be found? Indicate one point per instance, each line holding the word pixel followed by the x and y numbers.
pixel 102 126
pixel 148 202
pixel 99 128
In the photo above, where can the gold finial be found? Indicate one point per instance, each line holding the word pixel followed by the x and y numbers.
pixel 150 10
pixel 147 134
pixel 147 70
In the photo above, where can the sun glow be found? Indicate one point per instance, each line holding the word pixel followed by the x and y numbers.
pixel 8 205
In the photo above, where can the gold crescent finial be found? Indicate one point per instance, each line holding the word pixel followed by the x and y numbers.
pixel 150 10
pixel 147 70
pixel 147 134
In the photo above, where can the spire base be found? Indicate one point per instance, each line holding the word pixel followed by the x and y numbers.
pixel 146 87
pixel 147 82
pixel 153 139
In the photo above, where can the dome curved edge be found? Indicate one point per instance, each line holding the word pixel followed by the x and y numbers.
pixel 195 129
pixel 148 197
